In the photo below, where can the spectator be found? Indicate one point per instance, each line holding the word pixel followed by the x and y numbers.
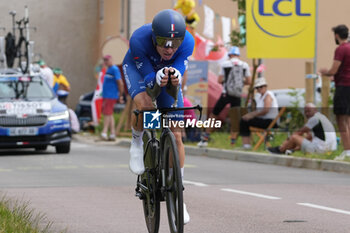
pixel 190 134
pixel 113 89
pixel 61 86
pixel 233 76
pixel 188 114
pixel 320 135
pixel 46 72
pixel 266 111
pixel 341 72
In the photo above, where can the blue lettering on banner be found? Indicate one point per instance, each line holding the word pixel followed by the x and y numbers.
pixel 276 11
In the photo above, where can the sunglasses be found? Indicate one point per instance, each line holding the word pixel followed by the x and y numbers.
pixel 169 42
pixel 257 88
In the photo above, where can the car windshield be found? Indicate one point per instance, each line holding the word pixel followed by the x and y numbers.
pixel 27 88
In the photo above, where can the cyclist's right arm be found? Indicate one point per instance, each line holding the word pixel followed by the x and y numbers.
pixel 142 62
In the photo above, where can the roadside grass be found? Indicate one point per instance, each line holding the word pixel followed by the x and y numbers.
pixel 18 217
pixel 221 140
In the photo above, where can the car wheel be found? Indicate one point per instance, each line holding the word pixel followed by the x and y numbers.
pixel 40 148
pixel 63 148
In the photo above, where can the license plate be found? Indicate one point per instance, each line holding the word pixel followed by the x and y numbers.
pixel 23 131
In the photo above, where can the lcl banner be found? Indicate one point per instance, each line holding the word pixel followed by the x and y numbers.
pixel 281 28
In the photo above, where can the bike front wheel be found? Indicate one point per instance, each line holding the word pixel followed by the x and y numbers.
pixel 174 188
pixel 150 202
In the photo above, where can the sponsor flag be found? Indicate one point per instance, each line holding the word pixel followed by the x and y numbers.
pixel 208 30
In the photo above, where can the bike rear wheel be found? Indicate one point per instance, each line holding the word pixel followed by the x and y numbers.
pixel 174 188
pixel 23 55
pixel 150 202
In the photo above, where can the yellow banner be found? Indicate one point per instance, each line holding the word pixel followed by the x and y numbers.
pixel 281 28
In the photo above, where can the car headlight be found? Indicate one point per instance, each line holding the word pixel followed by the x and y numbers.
pixel 59 116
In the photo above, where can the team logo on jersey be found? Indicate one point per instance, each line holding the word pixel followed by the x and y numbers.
pixel 128 84
pixel 139 65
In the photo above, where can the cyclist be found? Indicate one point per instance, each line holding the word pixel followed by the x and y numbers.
pixel 156 49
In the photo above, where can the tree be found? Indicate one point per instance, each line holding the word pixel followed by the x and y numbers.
pixel 238 35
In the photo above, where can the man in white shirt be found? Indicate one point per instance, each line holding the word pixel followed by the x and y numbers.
pixel 320 135
pixel 46 73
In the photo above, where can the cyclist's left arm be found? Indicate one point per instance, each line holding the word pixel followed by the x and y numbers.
pixel 181 61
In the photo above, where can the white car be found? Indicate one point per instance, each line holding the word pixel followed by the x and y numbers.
pixel 31 115
pixel 296 96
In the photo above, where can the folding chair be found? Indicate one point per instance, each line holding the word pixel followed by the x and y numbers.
pixel 264 133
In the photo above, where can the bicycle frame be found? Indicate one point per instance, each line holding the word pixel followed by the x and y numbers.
pixel 24 53
pixel 153 185
pixel 22 28
pixel 25 21
pixel 160 148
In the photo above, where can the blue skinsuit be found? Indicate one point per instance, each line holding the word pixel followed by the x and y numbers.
pixel 142 60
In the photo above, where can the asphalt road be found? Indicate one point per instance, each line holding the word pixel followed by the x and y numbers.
pixel 92 190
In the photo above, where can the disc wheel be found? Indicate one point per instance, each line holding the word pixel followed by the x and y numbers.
pixel 174 188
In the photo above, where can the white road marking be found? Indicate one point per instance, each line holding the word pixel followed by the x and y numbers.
pixel 5 170
pixel 325 208
pixel 64 167
pixel 79 145
pixel 29 168
pixel 251 194
pixel 95 166
pixel 195 183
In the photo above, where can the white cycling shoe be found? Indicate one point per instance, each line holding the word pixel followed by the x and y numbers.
pixel 186 215
pixel 136 164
